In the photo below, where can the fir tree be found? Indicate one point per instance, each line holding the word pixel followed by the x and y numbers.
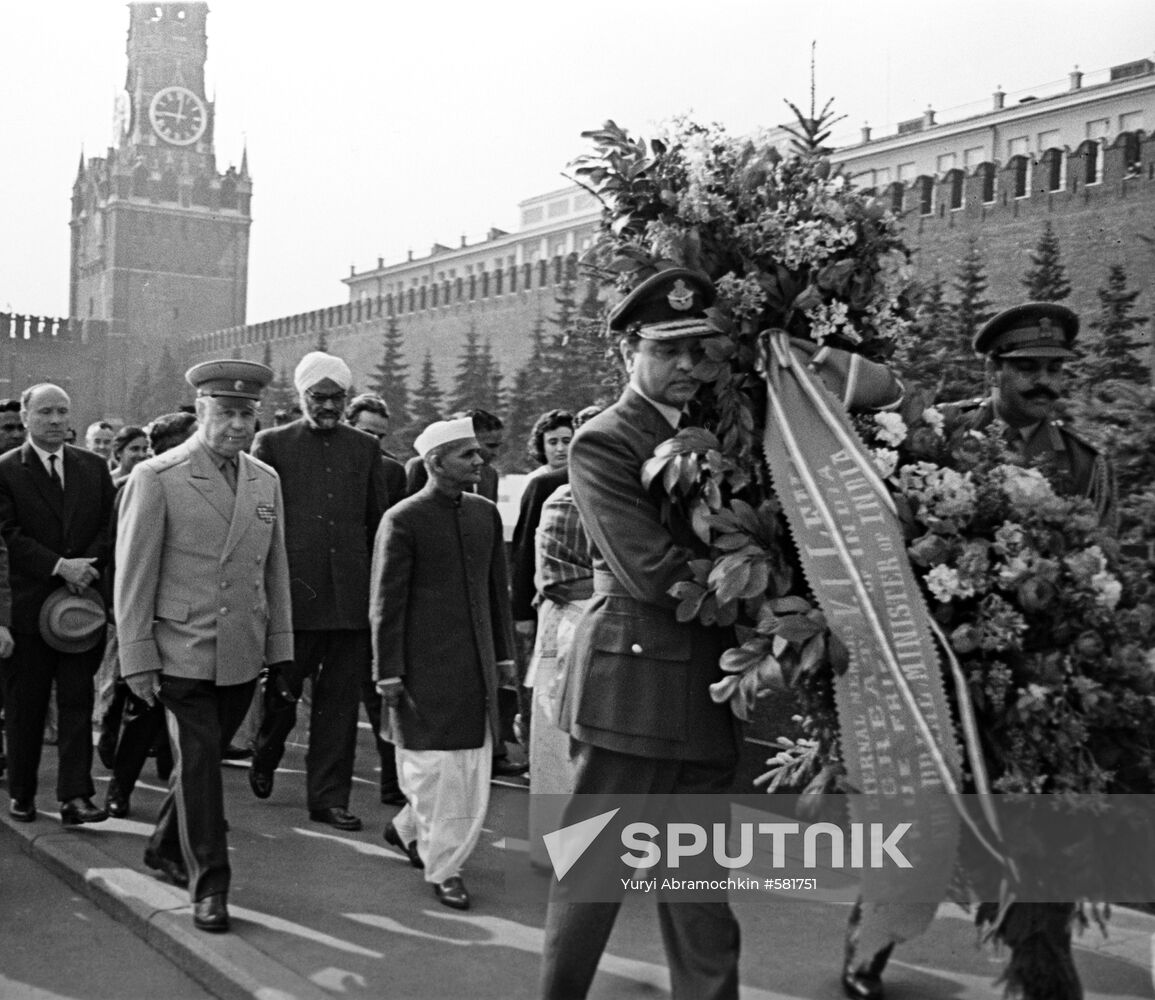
pixel 427 399
pixel 1116 352
pixel 962 372
pixel 490 375
pixel 1046 278
pixel 471 383
pixel 919 357
pixel 390 377
pixel 518 423
pixel 140 396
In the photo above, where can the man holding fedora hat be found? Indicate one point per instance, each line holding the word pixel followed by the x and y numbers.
pixel 202 602
pixel 55 504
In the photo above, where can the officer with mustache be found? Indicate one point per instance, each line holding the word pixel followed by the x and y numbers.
pixel 1026 348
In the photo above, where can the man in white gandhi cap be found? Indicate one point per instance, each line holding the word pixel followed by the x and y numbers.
pixel 442 642
pixel 333 482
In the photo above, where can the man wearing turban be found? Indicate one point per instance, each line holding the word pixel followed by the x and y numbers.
pixel 334 487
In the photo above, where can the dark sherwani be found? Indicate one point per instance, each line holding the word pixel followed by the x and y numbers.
pixel 440 619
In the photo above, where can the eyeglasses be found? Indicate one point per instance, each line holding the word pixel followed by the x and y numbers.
pixel 326 397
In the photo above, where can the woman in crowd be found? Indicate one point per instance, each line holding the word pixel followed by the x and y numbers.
pixel 129 447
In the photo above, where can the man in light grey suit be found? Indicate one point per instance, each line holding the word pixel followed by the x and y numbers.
pixel 202 601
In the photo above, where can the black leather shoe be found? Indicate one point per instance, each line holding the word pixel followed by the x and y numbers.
pixel 81 810
pixel 233 752
pixel 116 802
pixel 212 913
pixel 452 893
pixel 503 767
pixel 174 871
pixel 261 782
pixel 393 839
pixel 863 980
pixel 336 817
pixel 393 797
pixel 23 810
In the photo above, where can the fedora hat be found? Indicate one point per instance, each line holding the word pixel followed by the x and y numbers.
pixel 72 623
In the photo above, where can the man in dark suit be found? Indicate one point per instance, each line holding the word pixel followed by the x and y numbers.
pixel 333 481
pixel 638 704
pixel 55 504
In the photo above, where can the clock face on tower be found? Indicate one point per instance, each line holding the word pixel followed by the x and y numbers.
pixel 178 115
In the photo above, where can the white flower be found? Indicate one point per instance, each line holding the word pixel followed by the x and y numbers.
pixel 944 583
pixel 1107 589
pixel 891 429
pixel 885 461
pixel 934 419
pixel 1026 489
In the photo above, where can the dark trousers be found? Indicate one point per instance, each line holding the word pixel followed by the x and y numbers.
pixel 143 728
pixel 202 718
pixel 336 661
pixel 385 750
pixel 701 938
pixel 28 675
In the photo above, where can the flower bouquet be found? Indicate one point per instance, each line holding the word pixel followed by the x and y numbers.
pixel 1050 681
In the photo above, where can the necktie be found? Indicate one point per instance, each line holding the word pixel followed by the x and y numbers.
pixel 229 469
pixel 53 474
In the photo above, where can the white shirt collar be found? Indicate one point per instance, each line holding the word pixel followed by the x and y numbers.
pixel 59 453
pixel 672 413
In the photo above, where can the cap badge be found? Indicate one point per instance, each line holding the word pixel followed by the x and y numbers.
pixel 239 384
pixel 681 296
pixel 1045 323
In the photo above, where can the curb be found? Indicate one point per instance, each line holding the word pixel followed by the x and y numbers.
pixel 160 914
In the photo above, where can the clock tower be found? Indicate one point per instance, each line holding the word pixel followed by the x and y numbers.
pixel 160 236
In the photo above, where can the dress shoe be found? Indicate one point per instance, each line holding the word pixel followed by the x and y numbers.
pixel 116 802
pixel 22 809
pixel 174 871
pixel 863 980
pixel 393 797
pixel 452 893
pixel 261 782
pixel 503 767
pixel 336 817
pixel 393 839
pixel 81 810
pixel 233 752
pixel 212 913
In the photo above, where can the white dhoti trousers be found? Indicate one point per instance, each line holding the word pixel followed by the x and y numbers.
pixel 448 793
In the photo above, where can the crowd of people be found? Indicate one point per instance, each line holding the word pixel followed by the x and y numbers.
pixel 180 583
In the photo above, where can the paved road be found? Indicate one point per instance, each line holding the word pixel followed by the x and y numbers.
pixel 319 913
pixel 56 944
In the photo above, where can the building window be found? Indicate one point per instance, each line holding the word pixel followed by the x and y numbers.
pixel 1099 128
pixel 946 163
pixel 955 180
pixel 558 208
pixel 925 195
pixel 987 176
pixel 1048 140
pixel 1089 151
pixel 973 157
pixel 1132 163
pixel 1019 171
pixel 531 216
pixel 906 172
pixel 897 194
pixel 1132 121
pixel 1053 160
pixel 1018 147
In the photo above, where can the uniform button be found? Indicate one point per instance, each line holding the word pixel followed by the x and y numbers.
pixel 635 648
pixel 224 611
pixel 224 584
pixel 259 558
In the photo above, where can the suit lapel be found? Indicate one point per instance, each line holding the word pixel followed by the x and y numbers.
pixel 246 501
pixel 39 477
pixel 207 480
pixel 73 485
pixel 643 416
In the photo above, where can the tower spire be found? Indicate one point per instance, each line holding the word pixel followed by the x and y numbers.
pixel 245 161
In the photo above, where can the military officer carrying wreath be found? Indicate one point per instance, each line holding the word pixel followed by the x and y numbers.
pixel 202 602
pixel 1026 348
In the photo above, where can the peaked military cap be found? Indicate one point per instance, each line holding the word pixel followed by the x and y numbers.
pixel 229 377
pixel 1032 330
pixel 666 306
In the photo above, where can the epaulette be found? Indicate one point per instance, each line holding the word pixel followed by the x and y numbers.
pixel 1067 431
pixel 262 465
pixel 167 459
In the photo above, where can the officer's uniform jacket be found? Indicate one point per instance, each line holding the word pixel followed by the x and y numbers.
pixel 333 484
pixel 202 582
pixel 1075 467
pixel 640 678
